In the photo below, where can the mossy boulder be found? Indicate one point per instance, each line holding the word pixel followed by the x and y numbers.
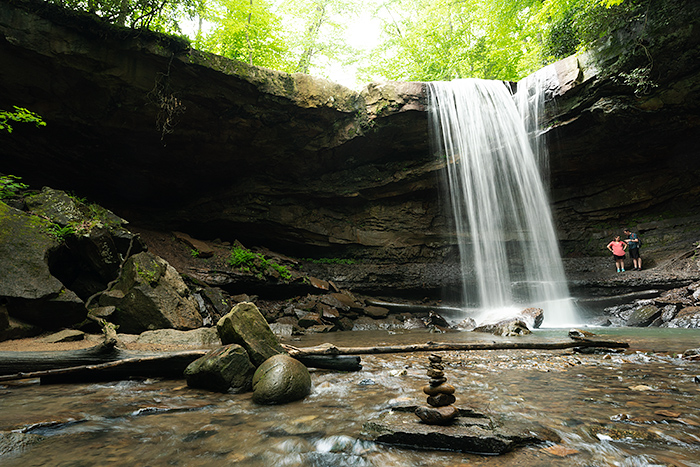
pixel 25 244
pixel 32 293
pixel 55 205
pixel 150 294
pixel 245 325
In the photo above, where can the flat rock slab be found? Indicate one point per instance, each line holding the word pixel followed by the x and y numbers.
pixel 475 435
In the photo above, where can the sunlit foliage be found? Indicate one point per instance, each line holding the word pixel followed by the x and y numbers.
pixel 315 30
pixel 245 30
pixel 19 115
pixel 421 39
pixel 156 15
pixel 444 39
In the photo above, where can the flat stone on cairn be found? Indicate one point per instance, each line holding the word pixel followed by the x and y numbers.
pixel 440 396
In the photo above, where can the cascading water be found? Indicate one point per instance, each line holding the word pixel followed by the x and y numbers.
pixel 502 216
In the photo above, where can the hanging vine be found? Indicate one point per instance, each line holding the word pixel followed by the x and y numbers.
pixel 169 106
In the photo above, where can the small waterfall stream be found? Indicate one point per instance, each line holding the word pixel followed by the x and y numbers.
pixel 507 243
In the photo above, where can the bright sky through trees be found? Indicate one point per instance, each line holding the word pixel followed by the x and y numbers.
pixel 355 42
pixel 363 34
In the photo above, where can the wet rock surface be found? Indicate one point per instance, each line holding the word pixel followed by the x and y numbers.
pixel 479 435
pixel 279 380
pixel 225 369
pixel 356 181
pixel 675 308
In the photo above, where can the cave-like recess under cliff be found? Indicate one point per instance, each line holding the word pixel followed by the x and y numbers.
pixel 173 138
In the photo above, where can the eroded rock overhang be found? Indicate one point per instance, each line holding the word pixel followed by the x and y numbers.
pixel 180 139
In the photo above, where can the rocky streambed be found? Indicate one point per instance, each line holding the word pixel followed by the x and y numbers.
pixel 634 407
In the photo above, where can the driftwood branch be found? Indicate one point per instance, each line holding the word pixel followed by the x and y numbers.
pixel 329 349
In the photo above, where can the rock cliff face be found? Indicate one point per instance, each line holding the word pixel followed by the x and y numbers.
pixel 174 138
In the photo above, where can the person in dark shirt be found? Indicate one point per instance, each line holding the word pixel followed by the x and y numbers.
pixel 633 243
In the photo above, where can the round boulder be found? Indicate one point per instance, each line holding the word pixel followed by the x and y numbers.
pixel 281 379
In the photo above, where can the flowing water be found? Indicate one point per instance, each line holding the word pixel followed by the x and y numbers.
pixel 637 408
pixel 508 246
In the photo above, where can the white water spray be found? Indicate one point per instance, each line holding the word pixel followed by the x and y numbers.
pixel 503 220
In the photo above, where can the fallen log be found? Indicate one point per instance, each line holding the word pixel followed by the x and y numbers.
pixel 331 362
pixel 108 362
pixel 94 364
pixel 329 349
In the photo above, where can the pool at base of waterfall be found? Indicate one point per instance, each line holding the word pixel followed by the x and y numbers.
pixel 632 407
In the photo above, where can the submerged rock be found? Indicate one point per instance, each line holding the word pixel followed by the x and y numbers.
pixel 12 443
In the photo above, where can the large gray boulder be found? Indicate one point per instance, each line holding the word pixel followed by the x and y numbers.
pixel 226 369
pixel 245 325
pixel 508 327
pixel 281 379
pixel 25 244
pixel 150 294
pixel 33 294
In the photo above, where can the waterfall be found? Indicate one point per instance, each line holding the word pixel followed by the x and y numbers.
pixel 508 247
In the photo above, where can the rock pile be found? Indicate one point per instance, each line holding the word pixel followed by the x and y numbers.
pixel 440 396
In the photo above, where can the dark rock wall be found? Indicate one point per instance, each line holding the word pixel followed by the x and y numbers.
pixel 248 153
pixel 174 138
pixel 624 139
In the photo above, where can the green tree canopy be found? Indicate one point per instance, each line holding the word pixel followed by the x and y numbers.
pixel 421 40
pixel 316 31
pixel 245 30
pixel 157 15
pixel 427 40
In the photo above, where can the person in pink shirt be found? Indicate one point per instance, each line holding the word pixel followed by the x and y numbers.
pixel 617 247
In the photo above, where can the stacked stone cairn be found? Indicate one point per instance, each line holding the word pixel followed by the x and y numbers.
pixel 440 396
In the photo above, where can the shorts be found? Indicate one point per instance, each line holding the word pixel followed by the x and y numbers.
pixel 634 253
pixel 617 258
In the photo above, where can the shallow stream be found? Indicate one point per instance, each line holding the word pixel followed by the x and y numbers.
pixel 640 407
